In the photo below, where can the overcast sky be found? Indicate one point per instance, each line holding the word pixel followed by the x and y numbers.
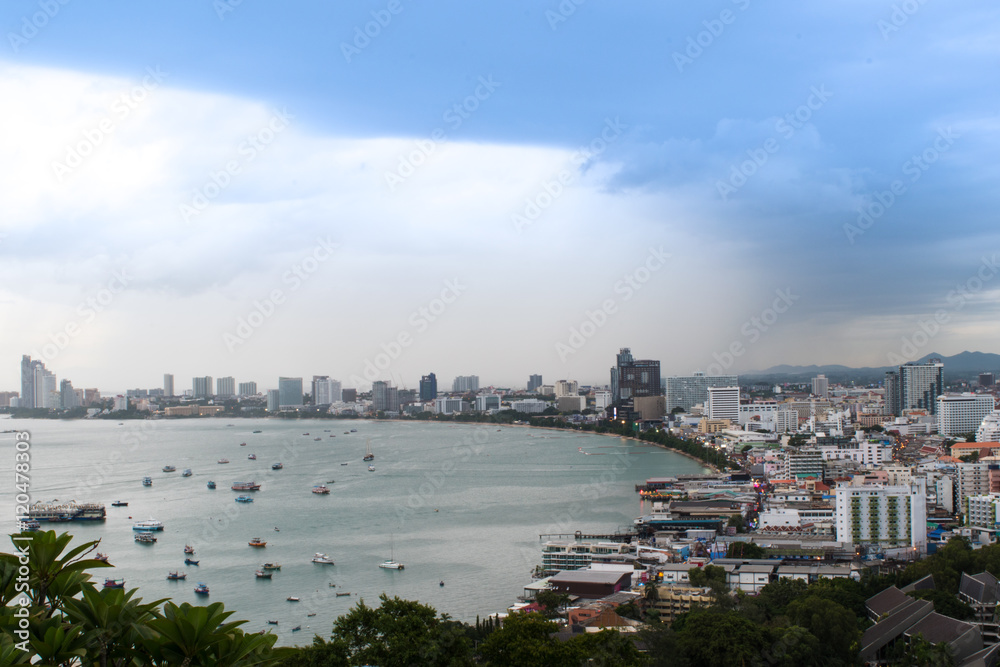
pixel 259 189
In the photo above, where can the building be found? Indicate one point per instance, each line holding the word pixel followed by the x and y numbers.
pixel 989 428
pixel 6 396
pixel 487 402
pixel 445 405
pixel 273 400
pixel 27 398
pixel 982 510
pixel 529 406
pixel 986 379
pixel 887 516
pixel 534 382
pixel 465 383
pixel 820 386
pixel 67 395
pixel 650 407
pixel 575 403
pixel 202 387
pixel 428 387
pixel 349 395
pixel 121 403
pixel 724 403
pixel 977 479
pixel 590 584
pixel 193 410
pixel 687 391
pixel 168 384
pixel 914 386
pixel 962 413
pixel 634 377
pixel 602 400
pixel 768 416
pixel 385 397
pixel 91 397
pixel 677 599
pixel 558 555
pixel 248 389
pixel 567 388
pixel 38 385
pixel 325 391
pixel 225 387
pixel 803 462
pixel 290 392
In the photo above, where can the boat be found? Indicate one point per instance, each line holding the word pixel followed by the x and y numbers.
pixel 320 489
pixel 322 559
pixel 312 614
pixel 223 460
pixel 368 451
pixel 191 561
pixel 262 574
pixel 30 526
pixel 144 538
pixel 246 486
pixel 257 542
pixel 244 499
pixel 201 589
pixel 292 598
pixel 188 549
pixel 119 503
pixel 258 431
pixel 317 439
pixel 440 583
pixel 243 444
pixel 371 468
pixel 347 432
pixel 390 562
pixel 271 566
pixel 211 484
pixel 305 434
pixel 343 464
pixel 147 481
pixel 169 468
pixel 175 576
pixel 187 472
pixel 340 595
pixel 276 466
pixel 114 583
pixel 68 511
pixel 151 524
pixel 296 628
pixel 252 457
pixel 354 430
pixel 101 557
pixel 272 622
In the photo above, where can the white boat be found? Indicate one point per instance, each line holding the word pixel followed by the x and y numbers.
pixel 368 451
pixel 169 468
pixel 322 559
pixel 371 468
pixel 390 563
pixel 187 472
pixel 146 526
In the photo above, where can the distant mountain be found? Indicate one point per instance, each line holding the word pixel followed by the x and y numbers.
pixel 961 364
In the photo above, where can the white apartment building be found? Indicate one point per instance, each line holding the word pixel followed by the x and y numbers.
pixel 773 417
pixel 602 399
pixel 889 516
pixel 962 413
pixel 445 405
pixel 529 406
pixel 870 453
pixel 982 510
pixel 989 428
pixel 973 479
pixel 724 403
pixel 567 388
pixel 486 402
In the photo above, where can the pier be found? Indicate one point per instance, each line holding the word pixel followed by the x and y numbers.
pixel 619 536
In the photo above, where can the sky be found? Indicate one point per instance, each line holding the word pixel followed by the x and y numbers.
pixel 379 190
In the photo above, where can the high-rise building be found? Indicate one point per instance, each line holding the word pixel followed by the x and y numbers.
pixel 168 384
pixel 486 402
pixel 67 395
pixel 225 387
pixel 91 396
pixel 687 391
pixel 38 385
pixel 632 377
pixel 889 516
pixel 534 382
pixel 602 400
pixel 273 400
pixel 27 382
pixel 567 388
pixel 349 395
pixel 989 428
pixel 325 390
pixel 724 403
pixel 290 392
pixel 820 386
pixel 962 413
pixel 248 389
pixel 428 387
pixel 202 387
pixel 465 383
pixel 986 379
pixel 914 386
pixel 385 397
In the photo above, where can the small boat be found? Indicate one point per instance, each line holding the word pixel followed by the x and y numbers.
pixel 190 561
pixel 312 614
pixel 322 559
pixel 320 489
pixel 187 472
pixel 390 564
pixel 258 431
pixel 261 574
pixel 169 468
pixel 257 542
pixel 440 583
pixel 272 622
pixel 201 589
pixel 147 481
pixel 101 557
pixel 176 576
pixel 292 598
pixel 150 525
pixel 343 464
pixel 30 526
pixel 347 432
pixel 271 566
pixel 223 460
pixel 119 503
pixel 243 444
pixel 211 485
pixel 246 486
pixel 252 457
pixel 371 468
pixel 296 628
pixel 114 583
pixel 276 466
pixel 188 549
pixel 340 595
pixel 369 456
pixel 354 430
pixel 317 439
pixel 145 538
pixel 332 585
pixel 244 499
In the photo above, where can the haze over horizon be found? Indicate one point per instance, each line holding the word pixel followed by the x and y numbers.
pixel 232 189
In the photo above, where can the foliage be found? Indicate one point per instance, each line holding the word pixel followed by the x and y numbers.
pixel 551 601
pixel 709 637
pixel 835 626
pixel 945 603
pixel 706 576
pixel 745 550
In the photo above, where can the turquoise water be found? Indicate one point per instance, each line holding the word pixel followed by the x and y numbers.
pixel 463 504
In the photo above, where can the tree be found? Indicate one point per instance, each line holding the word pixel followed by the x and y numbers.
pixel 777 595
pixel 745 550
pixel 720 639
pixel 707 576
pixel 736 521
pixel 835 626
pixel 945 603
pixel 551 601
pixel 608 647
pixel 526 640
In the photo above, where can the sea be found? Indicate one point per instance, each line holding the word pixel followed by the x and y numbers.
pixel 462 506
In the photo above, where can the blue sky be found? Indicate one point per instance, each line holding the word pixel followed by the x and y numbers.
pixel 535 154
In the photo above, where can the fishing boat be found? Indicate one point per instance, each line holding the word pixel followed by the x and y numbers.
pixel 322 559
pixel 187 472
pixel 258 431
pixel 188 549
pixel 119 503
pixel 114 583
pixel 257 542
pixel 343 464
pixel 252 457
pixel 369 456
pixel 223 460
pixel 292 598
pixel 312 614
pixel 30 526
pixel 262 574
pixel 276 466
pixel 145 538
pixel 191 561
pixel 169 468
pixel 148 525
pixel 296 628
pixel 246 486
pixel 244 499
pixel 211 484
pixel 101 557
pixel 201 589
pixel 371 468
pixel 272 622
pixel 271 566
pixel 354 430
pixel 147 481
pixel 176 576
pixel 340 595
pixel 320 489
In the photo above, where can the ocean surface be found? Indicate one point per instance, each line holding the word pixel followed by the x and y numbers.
pixel 459 504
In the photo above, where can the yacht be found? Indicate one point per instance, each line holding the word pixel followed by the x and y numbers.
pixel 277 466
pixel 151 524
pixel 147 481
pixel 390 564
pixel 169 468
pixel 322 559
pixel 368 452
pixel 252 457
pixel 320 489
pixel 144 538
pixel 371 468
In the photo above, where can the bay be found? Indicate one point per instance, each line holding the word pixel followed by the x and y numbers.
pixel 462 504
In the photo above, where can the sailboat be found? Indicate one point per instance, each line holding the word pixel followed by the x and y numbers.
pixel 390 563
pixel 368 451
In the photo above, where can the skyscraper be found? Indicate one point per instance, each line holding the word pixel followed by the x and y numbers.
pixel 168 384
pixel 687 391
pixel 247 389
pixel 820 386
pixel 534 382
pixel 325 391
pixel 225 387
pixel 428 387
pixel 202 386
pixel 67 395
pixel 385 397
pixel 914 386
pixel 290 392
pixel 724 403
pixel 28 381
pixel 273 400
pixel 465 383
pixel 631 377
